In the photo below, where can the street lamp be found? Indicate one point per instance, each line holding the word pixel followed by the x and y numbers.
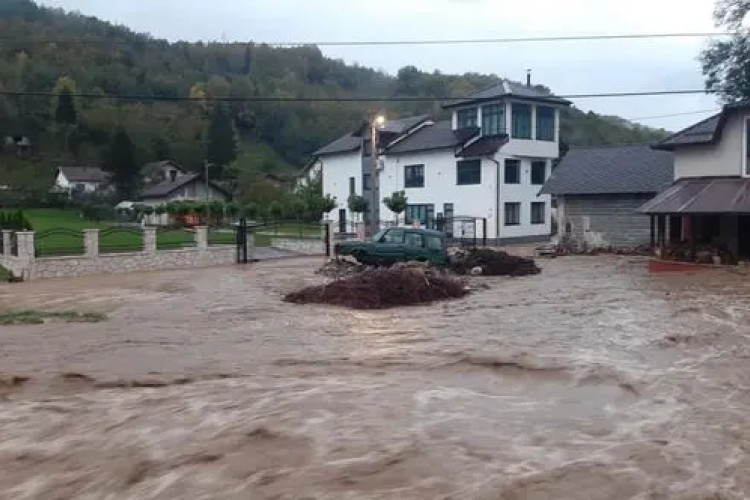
pixel 377 121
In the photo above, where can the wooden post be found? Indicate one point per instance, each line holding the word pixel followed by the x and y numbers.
pixel 653 231
pixel 693 241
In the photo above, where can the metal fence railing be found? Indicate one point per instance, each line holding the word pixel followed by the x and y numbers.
pixel 121 239
pixel 58 242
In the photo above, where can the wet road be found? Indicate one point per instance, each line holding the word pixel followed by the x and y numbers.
pixel 593 380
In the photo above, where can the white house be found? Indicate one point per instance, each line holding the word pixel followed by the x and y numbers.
pixel 489 160
pixel 82 179
pixel 707 207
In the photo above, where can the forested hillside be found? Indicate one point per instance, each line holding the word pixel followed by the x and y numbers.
pixel 45 50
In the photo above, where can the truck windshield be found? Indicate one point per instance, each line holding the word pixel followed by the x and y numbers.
pixel 379 235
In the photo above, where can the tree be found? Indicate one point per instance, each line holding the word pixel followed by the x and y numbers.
pixel 160 149
pixel 726 63
pixel 396 203
pixel 221 141
pixel 66 116
pixel 120 161
pixel 358 204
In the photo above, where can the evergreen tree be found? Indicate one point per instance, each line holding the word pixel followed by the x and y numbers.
pixel 66 116
pixel 120 161
pixel 221 142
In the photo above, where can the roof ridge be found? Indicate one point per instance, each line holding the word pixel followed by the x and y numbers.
pixel 696 124
pixel 604 146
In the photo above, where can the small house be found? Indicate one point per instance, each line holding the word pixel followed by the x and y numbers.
pixel 598 191
pixel 81 179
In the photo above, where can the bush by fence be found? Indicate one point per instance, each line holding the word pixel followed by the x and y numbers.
pixel 16 221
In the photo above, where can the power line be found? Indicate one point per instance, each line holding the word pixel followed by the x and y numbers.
pixel 675 114
pixel 8 93
pixel 363 43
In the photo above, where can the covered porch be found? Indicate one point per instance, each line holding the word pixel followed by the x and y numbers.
pixel 705 220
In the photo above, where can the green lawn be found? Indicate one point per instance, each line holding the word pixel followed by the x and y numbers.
pixel 264 233
pixel 65 237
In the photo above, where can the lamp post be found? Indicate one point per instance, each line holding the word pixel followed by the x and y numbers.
pixel 377 120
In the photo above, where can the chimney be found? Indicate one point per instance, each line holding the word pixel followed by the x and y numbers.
pixel 528 78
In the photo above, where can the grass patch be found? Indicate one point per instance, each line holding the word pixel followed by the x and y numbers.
pixel 33 317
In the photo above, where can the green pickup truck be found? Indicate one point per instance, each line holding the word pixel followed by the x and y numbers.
pixel 398 245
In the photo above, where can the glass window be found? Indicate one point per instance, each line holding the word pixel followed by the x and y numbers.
pixel 493 119
pixel 414 176
pixel 538 172
pixel 394 236
pixel 545 123
pixel 434 243
pixel 468 172
pixel 421 214
pixel 512 214
pixel 414 240
pixel 466 118
pixel 521 121
pixel 512 171
pixel 537 212
pixel 352 186
pixel 366 182
pixel 747 146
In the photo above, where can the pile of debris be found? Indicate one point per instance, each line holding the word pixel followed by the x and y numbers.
pixel 380 288
pixel 492 263
pixel 340 268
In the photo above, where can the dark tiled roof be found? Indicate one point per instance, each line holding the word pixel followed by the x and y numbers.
pixel 344 144
pixel 509 89
pixel 353 141
pixel 436 136
pixel 167 187
pixel 610 170
pixel 85 174
pixel 704 132
pixel 483 146
pixel 704 195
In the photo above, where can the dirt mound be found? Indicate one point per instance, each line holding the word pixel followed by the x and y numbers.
pixel 492 263
pixel 339 268
pixel 382 288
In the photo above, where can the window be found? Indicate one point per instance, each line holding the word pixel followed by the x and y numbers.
pixel 537 212
pixel 414 240
pixel 493 120
pixel 466 118
pixel 366 182
pixel 414 176
pixel 468 172
pixel 420 214
pixel 521 121
pixel 352 186
pixel 747 146
pixel 512 171
pixel 545 123
pixel 395 236
pixel 538 172
pixel 434 243
pixel 512 214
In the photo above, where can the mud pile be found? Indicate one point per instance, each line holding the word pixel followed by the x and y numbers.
pixel 400 285
pixel 492 263
pixel 340 268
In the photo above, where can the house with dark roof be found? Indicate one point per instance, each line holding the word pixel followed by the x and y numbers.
pixel 489 160
pixel 707 206
pixel 81 179
pixel 598 191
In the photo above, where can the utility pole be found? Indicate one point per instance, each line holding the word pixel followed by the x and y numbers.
pixel 376 120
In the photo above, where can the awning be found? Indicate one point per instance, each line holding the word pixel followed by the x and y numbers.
pixel 709 195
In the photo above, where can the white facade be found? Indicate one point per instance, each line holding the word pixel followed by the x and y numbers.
pixel 725 158
pixel 441 190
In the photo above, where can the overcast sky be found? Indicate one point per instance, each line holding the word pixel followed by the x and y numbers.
pixel 566 67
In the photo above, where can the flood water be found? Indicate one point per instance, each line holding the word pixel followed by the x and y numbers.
pixel 593 380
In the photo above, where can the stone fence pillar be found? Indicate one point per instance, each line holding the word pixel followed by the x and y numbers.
pixel 6 245
pixel 201 237
pixel 149 240
pixel 26 253
pixel 330 243
pixel 91 242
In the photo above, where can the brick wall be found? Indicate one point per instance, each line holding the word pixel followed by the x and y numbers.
pixel 605 220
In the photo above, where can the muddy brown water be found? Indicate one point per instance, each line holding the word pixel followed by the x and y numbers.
pixel 593 380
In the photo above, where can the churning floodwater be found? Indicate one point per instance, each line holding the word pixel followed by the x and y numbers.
pixel 593 380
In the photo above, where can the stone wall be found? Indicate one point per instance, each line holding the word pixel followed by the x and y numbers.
pixel 298 245
pixel 603 221
pixel 27 266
